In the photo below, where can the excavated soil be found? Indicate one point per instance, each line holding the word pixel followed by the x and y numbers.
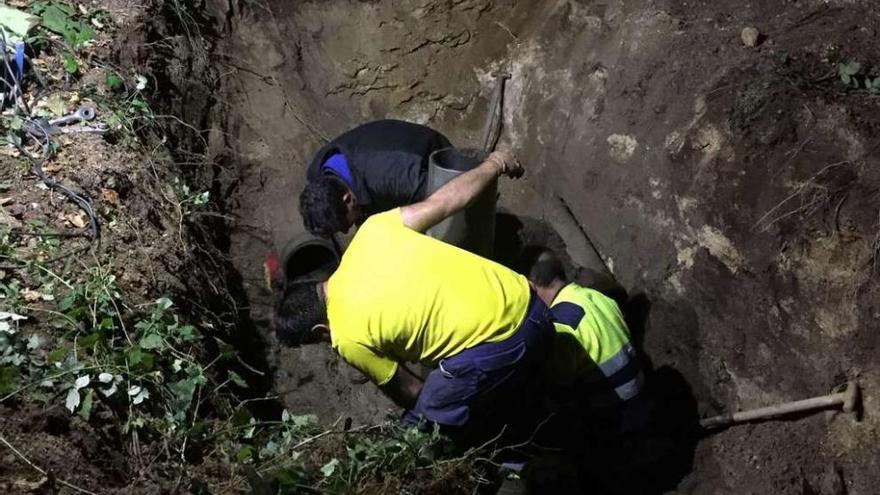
pixel 733 189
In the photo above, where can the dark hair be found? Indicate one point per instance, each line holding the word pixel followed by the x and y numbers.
pixel 297 310
pixel 541 265
pixel 322 207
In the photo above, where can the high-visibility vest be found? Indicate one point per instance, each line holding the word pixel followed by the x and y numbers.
pixel 592 346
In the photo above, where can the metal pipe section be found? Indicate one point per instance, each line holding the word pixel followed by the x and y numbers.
pixel 308 257
pixel 473 228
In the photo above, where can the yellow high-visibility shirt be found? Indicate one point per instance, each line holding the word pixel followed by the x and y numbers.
pixel 592 342
pixel 401 296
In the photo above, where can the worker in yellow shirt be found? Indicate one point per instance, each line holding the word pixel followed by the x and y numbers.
pixel 592 361
pixel 399 296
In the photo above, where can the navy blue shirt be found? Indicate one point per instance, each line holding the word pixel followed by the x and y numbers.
pixel 387 161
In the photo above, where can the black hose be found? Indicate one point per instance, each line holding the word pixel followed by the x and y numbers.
pixel 44 137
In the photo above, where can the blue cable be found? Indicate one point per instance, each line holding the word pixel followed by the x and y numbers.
pixel 19 61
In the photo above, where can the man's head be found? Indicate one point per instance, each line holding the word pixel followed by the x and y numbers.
pixel 544 270
pixel 328 206
pixel 301 314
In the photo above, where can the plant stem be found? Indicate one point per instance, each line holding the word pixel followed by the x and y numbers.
pixel 41 470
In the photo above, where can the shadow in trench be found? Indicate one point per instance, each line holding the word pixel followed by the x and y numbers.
pixel 584 455
pixel 513 232
pixel 236 337
pixel 652 461
pixel 578 453
pixel 248 339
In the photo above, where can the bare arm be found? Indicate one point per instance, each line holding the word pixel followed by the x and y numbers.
pixel 459 192
pixel 403 388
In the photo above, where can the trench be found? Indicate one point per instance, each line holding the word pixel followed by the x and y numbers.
pixel 663 170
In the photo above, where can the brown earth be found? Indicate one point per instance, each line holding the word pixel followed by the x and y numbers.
pixel 733 191
pixel 735 188
pixel 148 242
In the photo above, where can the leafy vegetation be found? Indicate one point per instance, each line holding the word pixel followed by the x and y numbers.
pixel 70 339
pixel 72 25
pixel 73 339
pixel 128 110
pixel 81 347
pixel 64 20
pixel 854 75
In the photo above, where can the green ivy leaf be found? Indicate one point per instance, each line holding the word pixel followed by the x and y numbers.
pixel 70 64
pixel 78 34
pixel 237 379
pixel 290 478
pixel 241 417
pixel 58 355
pixel 850 68
pixel 67 302
pixel 9 377
pixel 303 420
pixel 202 198
pixel 134 356
pixel 88 341
pixel 85 409
pixel 271 448
pixel 60 19
pixel 106 323
pixel 55 17
pixel 113 80
pixel 227 351
pixel 328 469
pixel 148 361
pixel 185 333
pixel 151 341
pixel 143 326
pixel 245 453
pixel 183 392
pixel 199 428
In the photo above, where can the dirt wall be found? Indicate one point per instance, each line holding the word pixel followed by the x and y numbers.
pixel 734 187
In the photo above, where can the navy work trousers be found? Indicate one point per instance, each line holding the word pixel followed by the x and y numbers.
pixel 479 391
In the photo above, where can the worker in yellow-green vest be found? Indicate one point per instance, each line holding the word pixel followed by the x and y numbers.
pixel 592 360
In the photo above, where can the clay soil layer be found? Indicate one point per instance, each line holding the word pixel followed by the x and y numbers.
pixel 733 187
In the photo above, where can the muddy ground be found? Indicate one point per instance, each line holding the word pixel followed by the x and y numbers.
pixel 733 188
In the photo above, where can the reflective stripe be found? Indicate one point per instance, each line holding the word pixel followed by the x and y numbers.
pixel 631 388
pixel 623 373
pixel 568 314
pixel 609 366
pixel 618 361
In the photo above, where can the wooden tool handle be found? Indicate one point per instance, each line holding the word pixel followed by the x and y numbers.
pixel 823 402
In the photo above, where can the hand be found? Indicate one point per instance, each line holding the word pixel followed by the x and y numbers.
pixel 507 164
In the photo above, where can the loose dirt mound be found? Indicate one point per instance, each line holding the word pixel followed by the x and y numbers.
pixel 76 301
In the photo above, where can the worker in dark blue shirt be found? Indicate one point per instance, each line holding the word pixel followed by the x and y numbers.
pixel 372 168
